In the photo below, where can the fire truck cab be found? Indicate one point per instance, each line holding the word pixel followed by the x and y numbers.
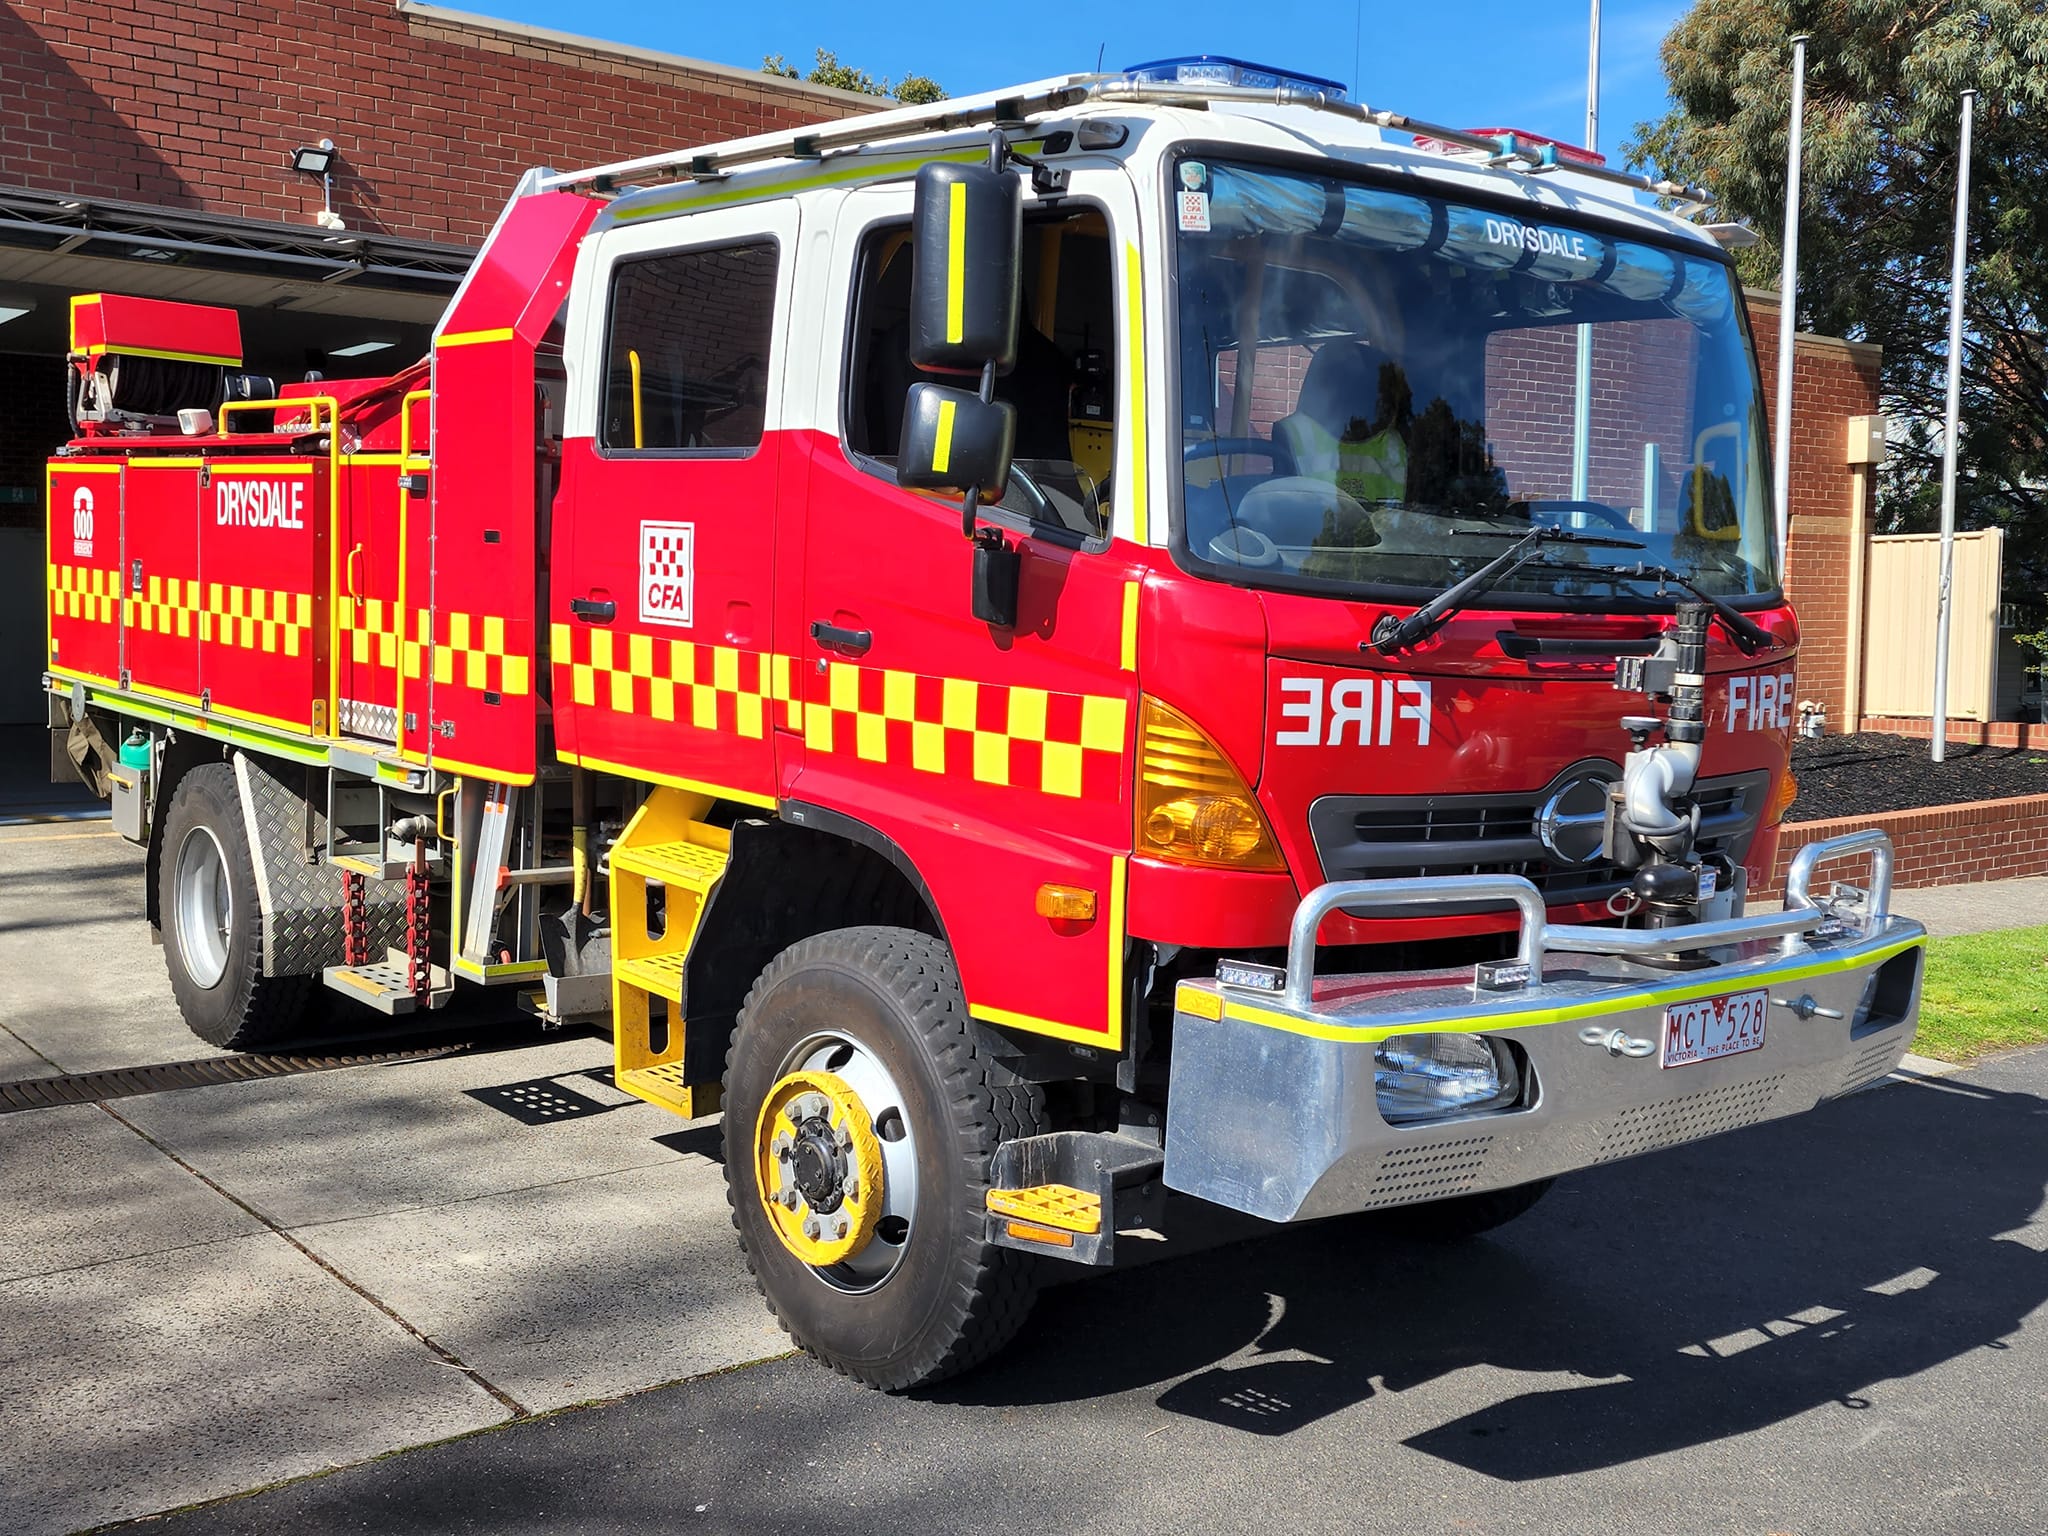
pixel 1165 631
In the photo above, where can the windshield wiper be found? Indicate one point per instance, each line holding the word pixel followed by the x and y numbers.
pixel 1749 635
pixel 1390 634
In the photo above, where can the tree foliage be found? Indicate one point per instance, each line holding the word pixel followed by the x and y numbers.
pixel 911 90
pixel 1877 217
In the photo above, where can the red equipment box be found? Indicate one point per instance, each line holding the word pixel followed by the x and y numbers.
pixel 131 327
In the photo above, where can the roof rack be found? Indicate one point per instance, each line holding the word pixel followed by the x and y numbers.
pixel 1014 105
pixel 1505 151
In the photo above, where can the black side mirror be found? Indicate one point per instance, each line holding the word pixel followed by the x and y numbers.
pixel 966 283
pixel 953 440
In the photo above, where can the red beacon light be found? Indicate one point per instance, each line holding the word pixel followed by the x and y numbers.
pixel 1510 141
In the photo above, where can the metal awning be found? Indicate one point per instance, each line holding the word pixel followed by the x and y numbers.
pixel 56 224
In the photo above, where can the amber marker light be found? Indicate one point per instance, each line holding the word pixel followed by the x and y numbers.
pixel 1193 807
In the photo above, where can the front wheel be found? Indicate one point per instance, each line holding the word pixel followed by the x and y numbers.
pixel 861 1112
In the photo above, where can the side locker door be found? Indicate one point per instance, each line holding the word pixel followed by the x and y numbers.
pixel 997 760
pixel 161 502
pixel 661 610
pixel 86 571
pixel 367 604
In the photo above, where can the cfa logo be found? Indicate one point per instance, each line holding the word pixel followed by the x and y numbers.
pixel 81 523
pixel 1312 716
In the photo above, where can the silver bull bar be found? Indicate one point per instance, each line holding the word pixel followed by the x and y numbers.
pixel 1273 1105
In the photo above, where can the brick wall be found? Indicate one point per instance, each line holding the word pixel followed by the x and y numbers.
pixel 197 106
pixel 1831 381
pixel 1978 733
pixel 1942 845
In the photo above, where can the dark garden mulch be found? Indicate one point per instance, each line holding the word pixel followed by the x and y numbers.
pixel 1866 774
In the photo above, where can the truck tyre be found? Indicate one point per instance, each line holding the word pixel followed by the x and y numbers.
pixel 213 924
pixel 861 1111
pixel 1463 1216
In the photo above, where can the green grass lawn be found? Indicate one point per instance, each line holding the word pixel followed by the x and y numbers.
pixel 1984 992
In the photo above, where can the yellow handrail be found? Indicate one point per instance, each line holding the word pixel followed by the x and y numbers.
pixel 404 616
pixel 312 404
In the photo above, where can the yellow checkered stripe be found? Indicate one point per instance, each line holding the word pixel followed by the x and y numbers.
pixel 372 626
pixel 471 651
pixel 711 687
pixel 1065 744
pixel 85 593
pixel 247 618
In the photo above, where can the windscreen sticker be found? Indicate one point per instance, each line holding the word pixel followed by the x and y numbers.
pixel 1344 713
pixel 1194 212
pixel 667 573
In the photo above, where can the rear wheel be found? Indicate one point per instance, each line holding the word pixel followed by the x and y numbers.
pixel 861 1111
pixel 1463 1216
pixel 213 923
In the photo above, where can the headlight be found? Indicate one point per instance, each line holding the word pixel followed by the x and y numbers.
pixel 1432 1077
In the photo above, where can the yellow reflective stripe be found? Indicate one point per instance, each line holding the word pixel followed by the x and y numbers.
pixel 956 264
pixel 1134 415
pixel 1618 1002
pixel 100 349
pixel 1130 645
pixel 633 363
pixel 942 441
pixel 1118 871
pixel 471 338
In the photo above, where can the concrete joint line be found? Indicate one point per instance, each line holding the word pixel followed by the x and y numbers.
pixel 439 1351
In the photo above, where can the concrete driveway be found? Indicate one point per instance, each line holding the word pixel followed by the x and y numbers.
pixel 206 1290
pixel 1806 1327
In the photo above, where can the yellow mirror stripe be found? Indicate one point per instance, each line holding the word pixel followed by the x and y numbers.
pixel 942 440
pixel 956 265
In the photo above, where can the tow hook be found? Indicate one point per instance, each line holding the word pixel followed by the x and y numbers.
pixel 1616 1042
pixel 1803 1006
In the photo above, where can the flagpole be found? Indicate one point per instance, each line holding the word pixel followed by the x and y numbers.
pixel 1582 393
pixel 1957 277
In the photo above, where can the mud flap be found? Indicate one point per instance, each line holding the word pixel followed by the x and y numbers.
pixel 300 893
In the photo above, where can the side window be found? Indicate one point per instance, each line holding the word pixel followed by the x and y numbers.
pixel 1061 387
pixel 686 350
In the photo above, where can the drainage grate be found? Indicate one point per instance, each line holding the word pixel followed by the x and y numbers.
pixel 130 1082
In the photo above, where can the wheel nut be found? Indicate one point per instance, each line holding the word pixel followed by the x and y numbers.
pixel 811 1229
pixel 851 1187
pixel 840 1230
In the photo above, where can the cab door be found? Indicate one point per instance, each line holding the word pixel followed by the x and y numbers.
pixel 997 760
pixel 665 523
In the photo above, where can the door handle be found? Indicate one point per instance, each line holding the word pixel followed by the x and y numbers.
pixel 593 610
pixel 355 556
pixel 853 641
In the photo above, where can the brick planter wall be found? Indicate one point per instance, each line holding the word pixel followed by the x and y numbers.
pixel 1975 733
pixel 1941 845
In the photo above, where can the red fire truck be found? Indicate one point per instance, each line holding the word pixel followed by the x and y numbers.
pixel 1170 631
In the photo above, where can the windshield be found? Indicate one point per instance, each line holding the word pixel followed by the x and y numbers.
pixel 1378 388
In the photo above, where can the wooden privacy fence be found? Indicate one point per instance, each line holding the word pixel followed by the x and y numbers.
pixel 1898 655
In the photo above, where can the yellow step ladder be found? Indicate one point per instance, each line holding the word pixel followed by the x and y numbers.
pixel 664 844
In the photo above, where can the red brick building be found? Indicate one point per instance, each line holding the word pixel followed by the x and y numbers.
pixel 146 149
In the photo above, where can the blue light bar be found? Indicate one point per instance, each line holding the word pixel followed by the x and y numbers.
pixel 1216 69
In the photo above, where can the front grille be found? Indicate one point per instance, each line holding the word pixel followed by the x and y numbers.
pixel 1384 837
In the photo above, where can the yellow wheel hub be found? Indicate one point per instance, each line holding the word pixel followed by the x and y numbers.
pixel 818 1167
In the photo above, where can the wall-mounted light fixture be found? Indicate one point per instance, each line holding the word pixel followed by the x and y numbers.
pixel 318 160
pixel 315 161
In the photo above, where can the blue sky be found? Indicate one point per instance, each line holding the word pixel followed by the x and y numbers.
pixel 1469 63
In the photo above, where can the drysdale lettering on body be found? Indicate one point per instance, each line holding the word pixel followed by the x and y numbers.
pixel 1343 713
pixel 243 503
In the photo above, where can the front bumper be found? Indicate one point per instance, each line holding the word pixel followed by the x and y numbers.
pixel 1272 1107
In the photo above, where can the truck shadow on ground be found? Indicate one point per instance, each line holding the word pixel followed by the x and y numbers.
pixel 1681 1298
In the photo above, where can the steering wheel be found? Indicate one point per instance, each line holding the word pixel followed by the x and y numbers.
pixel 1244 546
pixel 1555 513
pixel 1220 448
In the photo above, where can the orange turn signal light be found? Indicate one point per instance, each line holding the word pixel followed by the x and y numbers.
pixel 1194 807
pixel 1066 903
pixel 1781 799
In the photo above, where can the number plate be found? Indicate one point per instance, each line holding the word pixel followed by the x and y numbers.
pixel 1713 1027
